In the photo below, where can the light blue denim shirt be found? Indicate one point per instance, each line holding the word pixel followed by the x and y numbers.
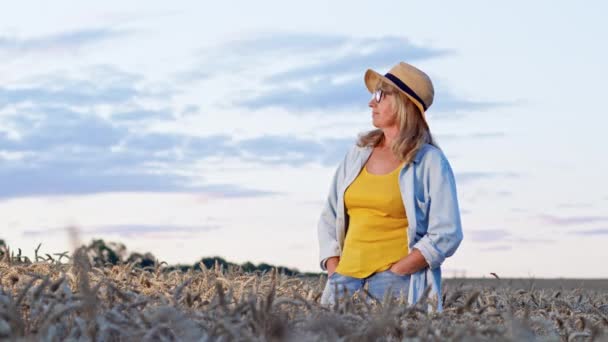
pixel 428 190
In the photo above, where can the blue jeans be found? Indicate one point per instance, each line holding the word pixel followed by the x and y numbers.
pixel 377 284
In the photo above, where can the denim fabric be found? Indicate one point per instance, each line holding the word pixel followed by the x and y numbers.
pixel 428 190
pixel 377 285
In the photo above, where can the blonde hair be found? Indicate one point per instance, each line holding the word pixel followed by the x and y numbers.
pixel 413 129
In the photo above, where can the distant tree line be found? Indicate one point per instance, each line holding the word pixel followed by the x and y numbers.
pixel 102 254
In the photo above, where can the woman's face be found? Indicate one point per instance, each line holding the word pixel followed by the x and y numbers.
pixel 384 113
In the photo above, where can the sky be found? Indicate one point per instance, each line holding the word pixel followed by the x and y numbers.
pixel 197 129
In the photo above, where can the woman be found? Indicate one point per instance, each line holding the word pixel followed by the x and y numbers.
pixel 395 194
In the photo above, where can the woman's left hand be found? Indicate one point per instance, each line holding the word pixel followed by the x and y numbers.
pixel 397 271
pixel 411 264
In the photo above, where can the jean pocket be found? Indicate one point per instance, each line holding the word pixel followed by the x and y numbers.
pixel 397 275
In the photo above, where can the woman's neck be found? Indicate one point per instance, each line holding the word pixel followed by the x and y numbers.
pixel 390 135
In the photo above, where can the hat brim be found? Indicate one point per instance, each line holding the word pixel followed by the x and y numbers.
pixel 372 78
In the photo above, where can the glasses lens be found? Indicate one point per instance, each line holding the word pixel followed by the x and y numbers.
pixel 378 95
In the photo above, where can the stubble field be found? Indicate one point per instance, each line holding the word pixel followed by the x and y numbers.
pixel 81 301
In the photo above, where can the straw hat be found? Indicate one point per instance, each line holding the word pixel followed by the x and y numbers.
pixel 409 80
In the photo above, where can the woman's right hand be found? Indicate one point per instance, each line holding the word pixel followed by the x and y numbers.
pixel 331 264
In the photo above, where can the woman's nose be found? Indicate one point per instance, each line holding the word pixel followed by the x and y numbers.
pixel 371 103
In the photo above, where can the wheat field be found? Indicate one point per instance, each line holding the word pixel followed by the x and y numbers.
pixel 79 300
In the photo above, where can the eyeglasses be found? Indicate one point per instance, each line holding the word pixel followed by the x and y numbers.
pixel 379 94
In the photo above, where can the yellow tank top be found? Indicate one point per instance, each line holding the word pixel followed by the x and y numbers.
pixel 377 228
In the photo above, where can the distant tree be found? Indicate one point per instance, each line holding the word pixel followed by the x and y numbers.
pixel 248 267
pixel 120 250
pixel 210 262
pixel 264 267
pixel 101 253
pixel 142 260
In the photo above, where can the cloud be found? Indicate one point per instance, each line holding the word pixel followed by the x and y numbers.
pixel 591 232
pixel 470 136
pixel 65 146
pixel 320 95
pixel 60 144
pixel 44 127
pixel 234 191
pixel 254 50
pixel 67 152
pixel 64 151
pixel 127 230
pixel 319 72
pixel 294 151
pixel 446 101
pixel 158 141
pixel 571 220
pixel 499 248
pixel 85 133
pixel 485 236
pixel 273 42
pixel 530 240
pixel 63 40
pixel 75 95
pixel 358 56
pixel 190 76
pixel 277 145
pixel 136 116
pixel 324 93
pixel 574 205
pixel 93 86
pixel 468 177
pixel 55 179
pixel 489 235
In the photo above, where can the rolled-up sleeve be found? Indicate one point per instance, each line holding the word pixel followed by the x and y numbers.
pixel 444 232
pixel 326 228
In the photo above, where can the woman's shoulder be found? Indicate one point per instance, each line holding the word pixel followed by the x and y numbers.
pixel 355 151
pixel 431 155
pixel 354 155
